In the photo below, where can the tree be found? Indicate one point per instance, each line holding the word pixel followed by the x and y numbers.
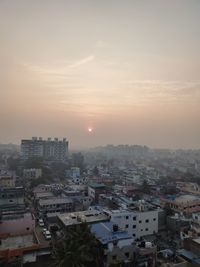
pixel 117 264
pixel 13 163
pixel 95 171
pixel 34 162
pixel 79 248
pixel 145 187
pixel 168 210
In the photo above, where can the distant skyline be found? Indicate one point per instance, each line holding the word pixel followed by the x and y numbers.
pixel 127 69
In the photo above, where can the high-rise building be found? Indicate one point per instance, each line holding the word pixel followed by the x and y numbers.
pixel 50 149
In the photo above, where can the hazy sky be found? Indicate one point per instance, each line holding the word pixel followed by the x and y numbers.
pixel 130 69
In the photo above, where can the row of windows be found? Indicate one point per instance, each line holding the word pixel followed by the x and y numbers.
pixel 55 205
pixel 134 226
pixel 147 220
pixel 134 219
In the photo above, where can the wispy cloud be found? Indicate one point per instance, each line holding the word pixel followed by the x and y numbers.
pixel 82 61
pixel 99 88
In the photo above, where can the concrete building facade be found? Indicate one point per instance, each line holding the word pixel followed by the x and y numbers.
pixel 52 150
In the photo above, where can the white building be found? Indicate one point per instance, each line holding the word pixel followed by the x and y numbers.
pixel 147 223
pixel 53 150
pixel 75 174
pixel 136 223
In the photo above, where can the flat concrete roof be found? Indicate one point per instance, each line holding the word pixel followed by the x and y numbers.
pixel 82 216
pixel 54 201
pixel 186 198
pixel 44 194
pixel 17 241
pixel 97 185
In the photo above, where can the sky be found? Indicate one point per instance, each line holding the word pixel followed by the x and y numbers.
pixel 127 69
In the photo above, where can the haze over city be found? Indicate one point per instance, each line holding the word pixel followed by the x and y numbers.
pixel 101 72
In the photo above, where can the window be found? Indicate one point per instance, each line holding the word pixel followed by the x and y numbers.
pixel 126 225
pixel 27 228
pixel 147 229
pixel 127 217
pixel 147 220
pixel 140 221
pixel 134 226
pixel 134 218
pixel 133 234
pixel 126 254
pixel 114 257
pixel 154 219
pixel 141 230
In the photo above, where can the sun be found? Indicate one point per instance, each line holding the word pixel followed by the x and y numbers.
pixel 90 130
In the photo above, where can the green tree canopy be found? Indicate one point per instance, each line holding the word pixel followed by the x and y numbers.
pixel 79 248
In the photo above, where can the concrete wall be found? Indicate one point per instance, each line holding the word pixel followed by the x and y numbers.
pixel 126 220
pixel 147 223
pixel 137 224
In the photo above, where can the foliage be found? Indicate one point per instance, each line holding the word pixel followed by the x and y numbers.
pixel 95 171
pixel 145 187
pixel 58 169
pixel 41 180
pixel 13 163
pixel 168 210
pixel 170 190
pixel 34 162
pixel 117 264
pixel 79 248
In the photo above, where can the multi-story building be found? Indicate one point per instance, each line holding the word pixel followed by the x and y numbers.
pixel 118 244
pixel 11 197
pixel 32 173
pixel 7 178
pixel 55 204
pixel 186 204
pixel 136 223
pixel 53 150
pixel 94 190
pixel 87 216
pixel 32 148
pixel 7 181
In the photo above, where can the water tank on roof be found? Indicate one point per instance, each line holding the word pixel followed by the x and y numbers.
pixel 148 245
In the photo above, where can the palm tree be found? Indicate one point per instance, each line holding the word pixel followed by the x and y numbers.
pixel 79 248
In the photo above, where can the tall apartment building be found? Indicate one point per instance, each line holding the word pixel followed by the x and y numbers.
pixel 50 149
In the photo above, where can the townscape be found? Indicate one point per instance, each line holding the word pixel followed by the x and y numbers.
pixel 108 206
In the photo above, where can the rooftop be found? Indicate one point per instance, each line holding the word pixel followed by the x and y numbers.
pixel 186 198
pixel 97 185
pixel 17 242
pixel 82 216
pixel 54 201
pixel 44 194
pixel 105 234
